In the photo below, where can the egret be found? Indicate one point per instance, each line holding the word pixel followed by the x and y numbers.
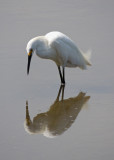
pixel 59 48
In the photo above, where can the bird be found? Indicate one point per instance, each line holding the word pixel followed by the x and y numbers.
pixel 59 48
pixel 58 118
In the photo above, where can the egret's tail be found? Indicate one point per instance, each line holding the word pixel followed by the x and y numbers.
pixel 87 57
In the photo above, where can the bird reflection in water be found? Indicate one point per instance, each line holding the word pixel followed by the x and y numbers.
pixel 60 116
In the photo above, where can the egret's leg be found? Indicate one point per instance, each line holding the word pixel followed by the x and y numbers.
pixel 63 81
pixel 60 74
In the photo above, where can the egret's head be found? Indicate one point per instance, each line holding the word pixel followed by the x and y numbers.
pixel 30 50
pixel 31 47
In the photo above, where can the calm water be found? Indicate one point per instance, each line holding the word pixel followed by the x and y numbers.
pixel 79 126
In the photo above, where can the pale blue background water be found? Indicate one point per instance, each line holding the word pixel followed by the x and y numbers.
pixel 90 24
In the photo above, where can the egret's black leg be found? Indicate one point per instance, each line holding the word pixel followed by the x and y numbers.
pixel 60 74
pixel 63 81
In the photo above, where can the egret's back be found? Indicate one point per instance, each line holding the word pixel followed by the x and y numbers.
pixel 67 53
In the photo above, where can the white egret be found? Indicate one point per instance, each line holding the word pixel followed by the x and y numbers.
pixel 61 49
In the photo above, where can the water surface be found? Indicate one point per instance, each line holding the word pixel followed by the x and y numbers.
pixel 82 135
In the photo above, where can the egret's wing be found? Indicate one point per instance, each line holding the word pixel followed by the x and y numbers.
pixel 66 49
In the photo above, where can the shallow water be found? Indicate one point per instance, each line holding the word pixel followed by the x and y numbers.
pixel 85 131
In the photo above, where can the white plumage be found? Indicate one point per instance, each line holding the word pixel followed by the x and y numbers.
pixel 59 48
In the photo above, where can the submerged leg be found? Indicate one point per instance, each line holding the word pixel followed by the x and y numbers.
pixel 63 87
pixel 57 99
pixel 61 91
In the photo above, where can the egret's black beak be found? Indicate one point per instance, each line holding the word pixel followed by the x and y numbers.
pixel 29 60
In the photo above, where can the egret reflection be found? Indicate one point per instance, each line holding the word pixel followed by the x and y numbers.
pixel 60 116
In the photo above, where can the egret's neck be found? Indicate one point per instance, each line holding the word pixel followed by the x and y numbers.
pixel 43 49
